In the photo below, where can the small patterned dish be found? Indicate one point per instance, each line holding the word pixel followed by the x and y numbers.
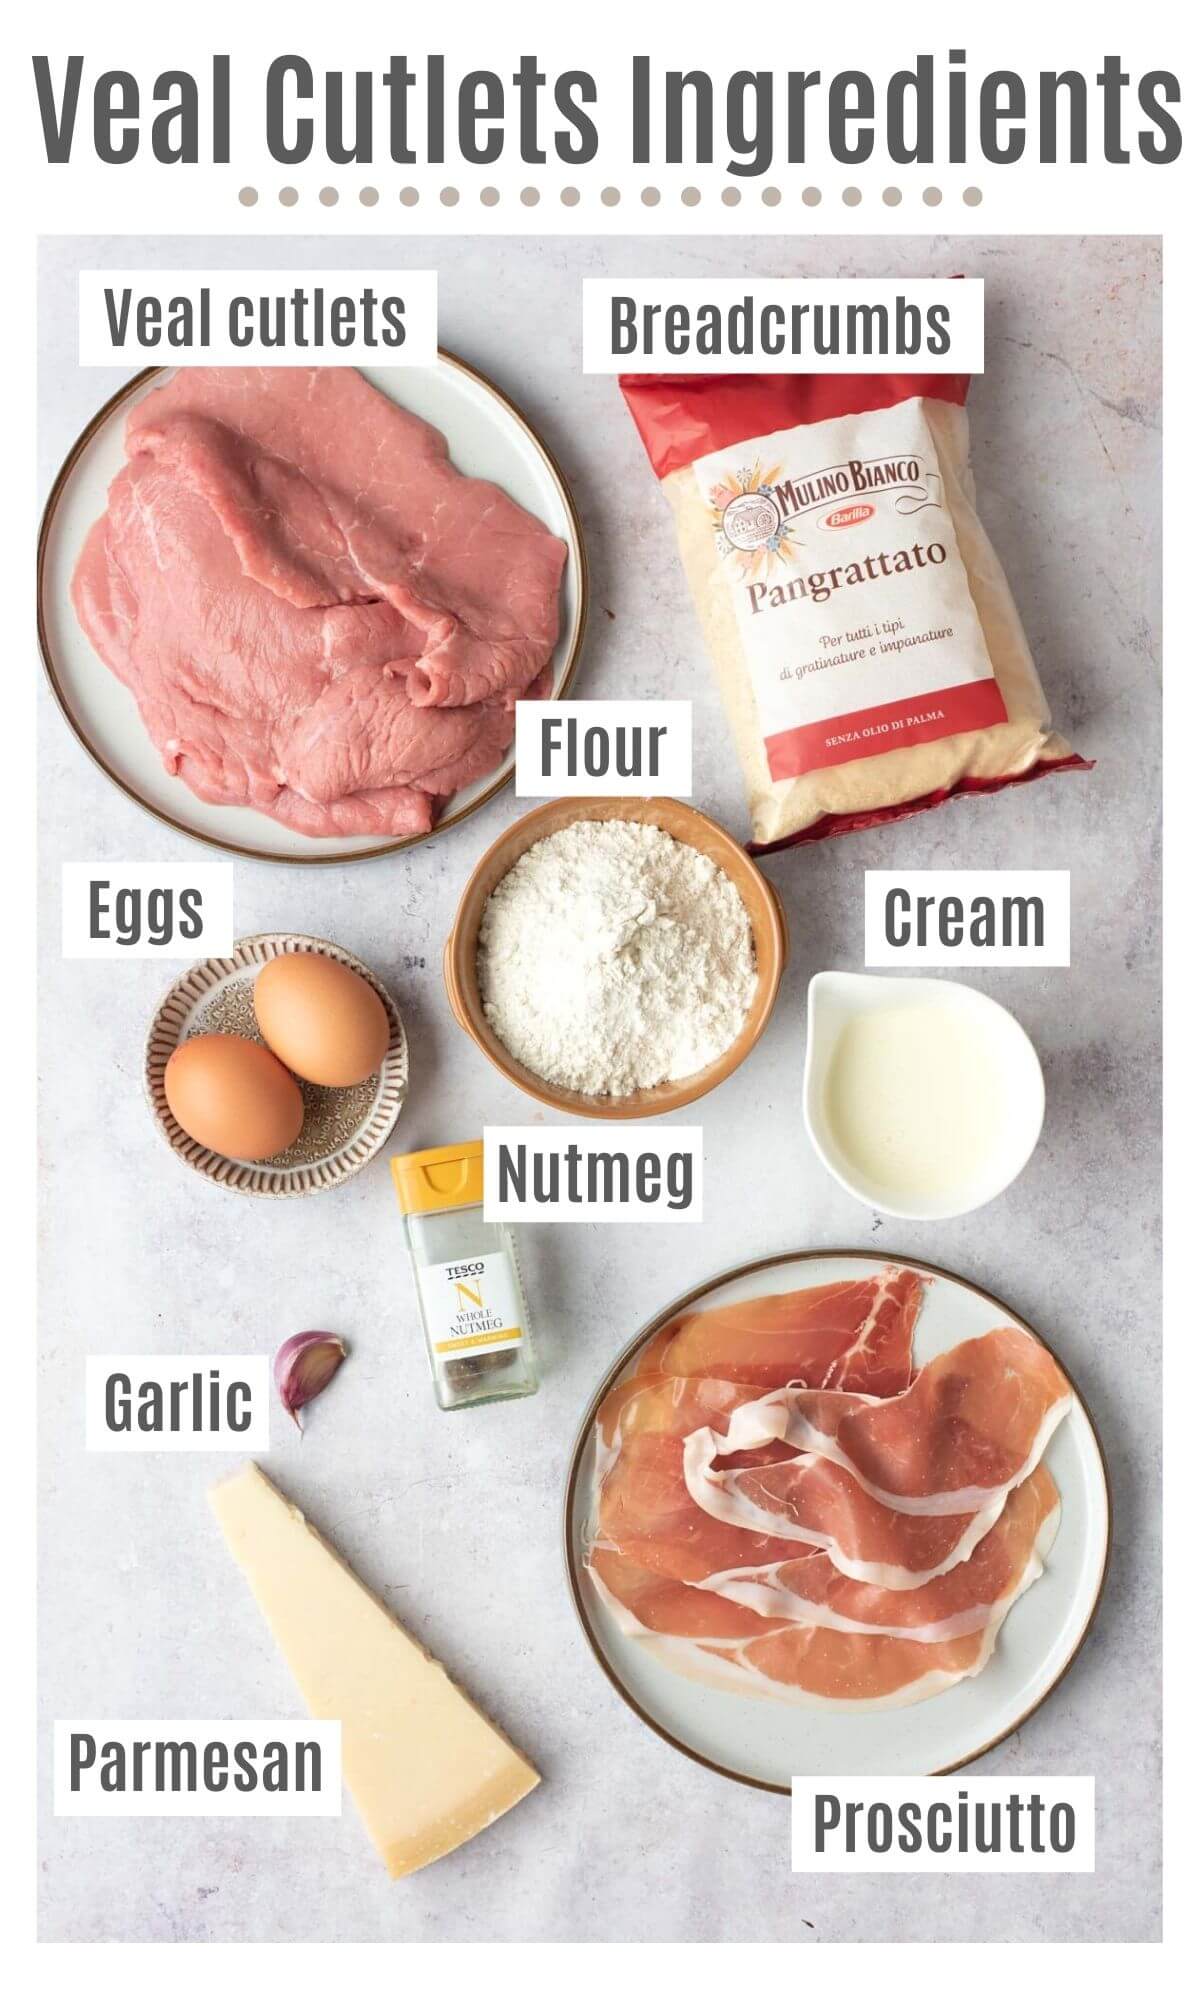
pixel 343 1129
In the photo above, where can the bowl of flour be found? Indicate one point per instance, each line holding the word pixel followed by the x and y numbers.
pixel 616 958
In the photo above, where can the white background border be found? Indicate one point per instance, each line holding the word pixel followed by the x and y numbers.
pixel 1015 200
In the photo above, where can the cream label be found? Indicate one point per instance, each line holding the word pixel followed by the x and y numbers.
pixel 967 917
pixel 842 566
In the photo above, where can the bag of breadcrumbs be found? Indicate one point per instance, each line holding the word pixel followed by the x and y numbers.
pixel 869 654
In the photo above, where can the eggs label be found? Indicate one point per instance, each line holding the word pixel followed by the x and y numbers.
pixel 603 1175
pixel 177 1402
pixel 147 909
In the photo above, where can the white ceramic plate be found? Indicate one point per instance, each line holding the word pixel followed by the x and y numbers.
pixel 488 439
pixel 766 1743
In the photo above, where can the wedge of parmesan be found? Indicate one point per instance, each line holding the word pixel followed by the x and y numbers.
pixel 426 1770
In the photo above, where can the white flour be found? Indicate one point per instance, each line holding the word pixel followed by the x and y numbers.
pixel 612 957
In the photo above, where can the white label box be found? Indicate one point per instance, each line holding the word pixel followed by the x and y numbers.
pixel 944 1826
pixel 177 1402
pixel 147 909
pixel 604 749
pixel 757 326
pixel 967 917
pixel 198 1770
pixel 285 319
pixel 606 1173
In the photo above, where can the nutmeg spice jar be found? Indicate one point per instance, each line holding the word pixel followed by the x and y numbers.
pixel 473 1309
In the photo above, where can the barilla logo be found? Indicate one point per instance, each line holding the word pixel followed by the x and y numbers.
pixel 847 517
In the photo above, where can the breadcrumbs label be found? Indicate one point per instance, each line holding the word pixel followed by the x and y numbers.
pixel 849 590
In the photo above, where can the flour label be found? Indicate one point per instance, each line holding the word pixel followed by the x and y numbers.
pixel 472 1305
pixel 848 588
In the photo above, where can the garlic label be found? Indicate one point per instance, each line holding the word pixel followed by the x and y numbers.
pixel 177 1402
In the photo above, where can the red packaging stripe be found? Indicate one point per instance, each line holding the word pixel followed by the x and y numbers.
pixel 893 725
pixel 681 417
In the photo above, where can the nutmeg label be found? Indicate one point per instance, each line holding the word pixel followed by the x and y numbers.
pixel 597 1175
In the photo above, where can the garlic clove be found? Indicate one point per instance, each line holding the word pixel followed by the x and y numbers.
pixel 304 1365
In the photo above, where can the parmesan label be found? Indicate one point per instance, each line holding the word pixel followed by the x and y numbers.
pixel 841 564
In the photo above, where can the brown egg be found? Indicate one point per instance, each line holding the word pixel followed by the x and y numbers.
pixel 321 1018
pixel 233 1096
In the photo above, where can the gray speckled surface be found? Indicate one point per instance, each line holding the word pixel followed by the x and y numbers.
pixel 456 1519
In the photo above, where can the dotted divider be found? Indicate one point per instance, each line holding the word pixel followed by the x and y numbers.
pixel 611 197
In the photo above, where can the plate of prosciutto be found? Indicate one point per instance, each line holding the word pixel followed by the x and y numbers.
pixel 836 1514
pixel 290 611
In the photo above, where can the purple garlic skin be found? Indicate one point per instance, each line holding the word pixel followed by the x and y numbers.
pixel 304 1365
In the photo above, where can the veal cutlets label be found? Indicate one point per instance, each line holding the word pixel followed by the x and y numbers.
pixel 851 597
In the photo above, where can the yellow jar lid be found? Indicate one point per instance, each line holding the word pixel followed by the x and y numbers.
pixel 440 1177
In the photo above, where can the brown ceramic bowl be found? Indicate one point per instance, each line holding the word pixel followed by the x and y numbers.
pixel 683 823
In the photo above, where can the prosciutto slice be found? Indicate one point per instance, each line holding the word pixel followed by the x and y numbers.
pixel 854 1335
pixel 809 1589
pixel 974 1423
pixel 702 1634
pixel 643 1508
pixel 692 1483
pixel 645 1601
pixel 896 1492
pixel 811 1501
